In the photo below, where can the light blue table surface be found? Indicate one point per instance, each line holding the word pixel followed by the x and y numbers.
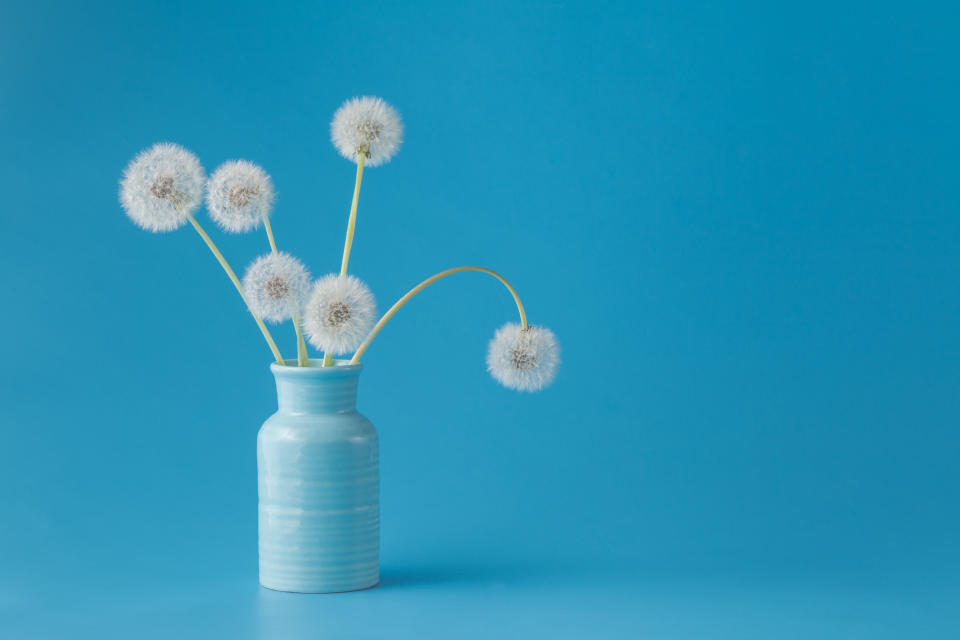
pixel 465 597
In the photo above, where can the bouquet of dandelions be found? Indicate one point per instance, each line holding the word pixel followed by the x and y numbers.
pixel 165 185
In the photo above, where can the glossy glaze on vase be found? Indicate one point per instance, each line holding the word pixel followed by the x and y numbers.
pixel 319 484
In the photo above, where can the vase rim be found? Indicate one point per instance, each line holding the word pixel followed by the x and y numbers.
pixel 316 368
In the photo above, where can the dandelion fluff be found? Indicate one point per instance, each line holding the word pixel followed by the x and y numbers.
pixel 276 286
pixel 340 313
pixel 367 125
pixel 239 196
pixel 525 360
pixel 161 187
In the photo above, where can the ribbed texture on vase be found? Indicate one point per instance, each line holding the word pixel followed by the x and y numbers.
pixel 319 551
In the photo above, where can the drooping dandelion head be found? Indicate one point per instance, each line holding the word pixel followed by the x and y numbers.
pixel 239 196
pixel 276 286
pixel 339 314
pixel 161 187
pixel 523 359
pixel 367 125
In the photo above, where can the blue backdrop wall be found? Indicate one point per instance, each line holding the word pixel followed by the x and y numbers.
pixel 740 220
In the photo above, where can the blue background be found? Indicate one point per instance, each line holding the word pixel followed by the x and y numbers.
pixel 741 221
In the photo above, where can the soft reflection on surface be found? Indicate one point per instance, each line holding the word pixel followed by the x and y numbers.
pixel 464 602
pixel 396 605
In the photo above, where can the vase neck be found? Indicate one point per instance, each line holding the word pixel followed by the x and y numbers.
pixel 316 389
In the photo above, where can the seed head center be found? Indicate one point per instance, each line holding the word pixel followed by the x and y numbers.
pixel 239 195
pixel 369 131
pixel 163 187
pixel 338 314
pixel 524 360
pixel 277 287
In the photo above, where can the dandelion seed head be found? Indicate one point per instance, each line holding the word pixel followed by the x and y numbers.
pixel 276 286
pixel 523 359
pixel 161 187
pixel 239 196
pixel 367 125
pixel 339 314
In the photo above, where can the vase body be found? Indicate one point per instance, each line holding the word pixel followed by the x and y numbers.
pixel 319 484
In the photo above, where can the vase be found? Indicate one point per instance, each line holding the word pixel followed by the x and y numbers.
pixel 318 484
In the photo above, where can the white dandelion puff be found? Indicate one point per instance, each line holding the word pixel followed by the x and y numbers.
pixel 523 359
pixel 276 286
pixel 367 125
pixel 161 187
pixel 239 196
pixel 340 313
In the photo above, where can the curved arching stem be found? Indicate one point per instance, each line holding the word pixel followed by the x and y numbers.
pixel 423 285
pixel 236 283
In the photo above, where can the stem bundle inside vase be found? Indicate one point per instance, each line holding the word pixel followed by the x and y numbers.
pixel 165 185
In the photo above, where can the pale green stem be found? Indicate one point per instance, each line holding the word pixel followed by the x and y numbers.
pixel 236 283
pixel 266 225
pixel 423 285
pixel 303 360
pixel 351 225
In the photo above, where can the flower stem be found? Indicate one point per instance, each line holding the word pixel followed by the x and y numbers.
pixel 303 360
pixel 352 222
pixel 351 225
pixel 236 283
pixel 423 285
pixel 266 225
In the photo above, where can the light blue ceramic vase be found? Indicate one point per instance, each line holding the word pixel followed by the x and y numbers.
pixel 319 484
